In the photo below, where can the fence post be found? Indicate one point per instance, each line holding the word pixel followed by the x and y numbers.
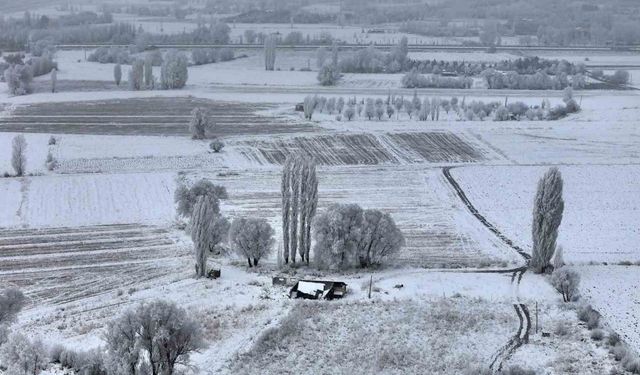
pixel 370 282
pixel 536 317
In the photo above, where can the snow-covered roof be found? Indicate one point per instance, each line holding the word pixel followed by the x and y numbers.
pixel 311 288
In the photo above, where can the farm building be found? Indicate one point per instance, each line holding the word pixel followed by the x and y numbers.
pixel 315 289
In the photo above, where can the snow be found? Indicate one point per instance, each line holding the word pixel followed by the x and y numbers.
pixel 606 198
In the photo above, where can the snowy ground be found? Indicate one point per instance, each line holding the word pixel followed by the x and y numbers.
pixel 104 220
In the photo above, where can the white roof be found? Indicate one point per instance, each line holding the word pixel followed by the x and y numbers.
pixel 311 288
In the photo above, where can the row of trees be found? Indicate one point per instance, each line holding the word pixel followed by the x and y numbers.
pixel 19 74
pixel 174 72
pixel 427 108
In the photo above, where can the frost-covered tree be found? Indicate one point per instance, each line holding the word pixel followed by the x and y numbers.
pixel 299 202
pixel 149 79
pixel 165 336
pixel 331 105
pixel 349 112
pixel 566 282
pixel 117 74
pixel 186 197
pixel 558 258
pixel 136 75
pixel 18 78
pixel 11 302
pixel 22 356
pixel 122 354
pixel 54 79
pixel 340 104
pixel 408 107
pixel 208 229
pixel 548 208
pixel 369 109
pixel 251 238
pixel 321 56
pixel 398 104
pixel 379 110
pixel 270 52
pixel 390 110
pixel 199 123
pixel 18 155
pixel 174 71
pixel 328 75
pixel 416 101
pixel 337 232
pixel 379 238
pixel 309 106
pixel 425 109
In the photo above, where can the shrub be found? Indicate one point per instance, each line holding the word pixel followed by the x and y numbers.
pixel 561 328
pixel 517 370
pixel 557 112
pixel 588 315
pixel 597 334
pixel 110 55
pixel 572 106
pixel 52 141
pixel 613 339
pixel 216 145
pixel 566 283
pixel 502 114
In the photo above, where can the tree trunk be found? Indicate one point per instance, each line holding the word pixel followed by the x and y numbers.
pixel 255 262
pixel 249 261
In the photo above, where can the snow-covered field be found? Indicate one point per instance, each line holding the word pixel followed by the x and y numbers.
pixel 600 223
pixel 98 234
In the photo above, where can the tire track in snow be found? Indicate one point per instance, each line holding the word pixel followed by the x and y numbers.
pixel 522 335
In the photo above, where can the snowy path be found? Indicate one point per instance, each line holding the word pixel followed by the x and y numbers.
pixel 522 335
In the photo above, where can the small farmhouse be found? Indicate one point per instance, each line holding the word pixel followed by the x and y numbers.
pixel 316 289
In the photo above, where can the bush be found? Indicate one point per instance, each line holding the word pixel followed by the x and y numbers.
pixel 572 106
pixel 52 141
pixel 597 334
pixel 561 328
pixel 566 283
pixel 613 339
pixel 517 370
pixel 216 146
pixel 110 55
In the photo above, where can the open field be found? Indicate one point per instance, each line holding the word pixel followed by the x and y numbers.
pixel 606 197
pixel 368 149
pixel 155 116
pixel 62 265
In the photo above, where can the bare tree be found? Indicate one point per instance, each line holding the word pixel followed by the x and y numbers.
pixel 18 155
pixel 252 239
pixel 208 229
pixel 548 207
pixel 337 232
pixel 566 282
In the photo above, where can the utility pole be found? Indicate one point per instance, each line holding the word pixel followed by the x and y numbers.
pixel 370 282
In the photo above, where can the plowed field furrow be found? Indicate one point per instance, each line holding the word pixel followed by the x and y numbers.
pixel 13 233
pixel 59 237
pixel 62 248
